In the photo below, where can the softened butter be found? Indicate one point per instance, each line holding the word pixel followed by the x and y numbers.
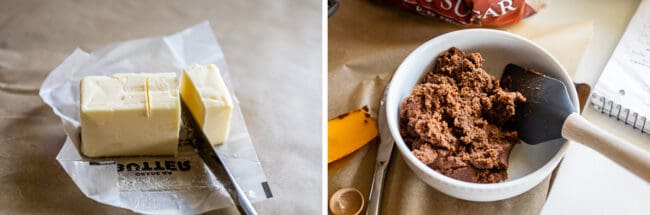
pixel 208 99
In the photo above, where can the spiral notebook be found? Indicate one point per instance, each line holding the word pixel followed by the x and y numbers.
pixel 623 90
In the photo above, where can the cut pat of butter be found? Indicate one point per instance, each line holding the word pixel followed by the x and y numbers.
pixel 130 114
pixel 208 99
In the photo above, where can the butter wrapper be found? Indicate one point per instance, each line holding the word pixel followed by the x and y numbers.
pixel 153 184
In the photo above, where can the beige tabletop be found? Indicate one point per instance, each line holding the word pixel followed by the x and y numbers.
pixel 273 49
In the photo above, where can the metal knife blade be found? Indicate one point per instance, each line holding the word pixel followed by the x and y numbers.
pixel 216 165
pixel 384 152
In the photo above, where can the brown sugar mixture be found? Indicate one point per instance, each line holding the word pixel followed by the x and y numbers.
pixel 457 120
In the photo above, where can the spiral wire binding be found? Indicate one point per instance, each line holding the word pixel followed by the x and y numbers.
pixel 609 108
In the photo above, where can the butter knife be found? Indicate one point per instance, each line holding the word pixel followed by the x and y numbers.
pixel 384 152
pixel 216 165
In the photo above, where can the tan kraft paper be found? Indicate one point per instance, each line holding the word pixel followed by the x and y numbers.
pixel 367 42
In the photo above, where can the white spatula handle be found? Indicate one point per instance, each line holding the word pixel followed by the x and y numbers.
pixel 633 158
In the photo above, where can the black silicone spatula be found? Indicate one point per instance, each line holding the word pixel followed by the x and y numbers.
pixel 549 114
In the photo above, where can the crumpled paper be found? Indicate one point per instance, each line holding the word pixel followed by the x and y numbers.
pixel 152 184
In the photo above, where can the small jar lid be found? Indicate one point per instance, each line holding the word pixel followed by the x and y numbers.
pixel 347 201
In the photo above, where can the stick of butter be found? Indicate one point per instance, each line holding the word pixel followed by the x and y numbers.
pixel 130 114
pixel 208 99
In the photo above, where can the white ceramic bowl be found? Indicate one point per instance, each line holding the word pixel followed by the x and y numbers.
pixel 528 164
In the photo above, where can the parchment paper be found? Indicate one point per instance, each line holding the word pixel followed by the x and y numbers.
pixel 162 184
pixel 366 44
